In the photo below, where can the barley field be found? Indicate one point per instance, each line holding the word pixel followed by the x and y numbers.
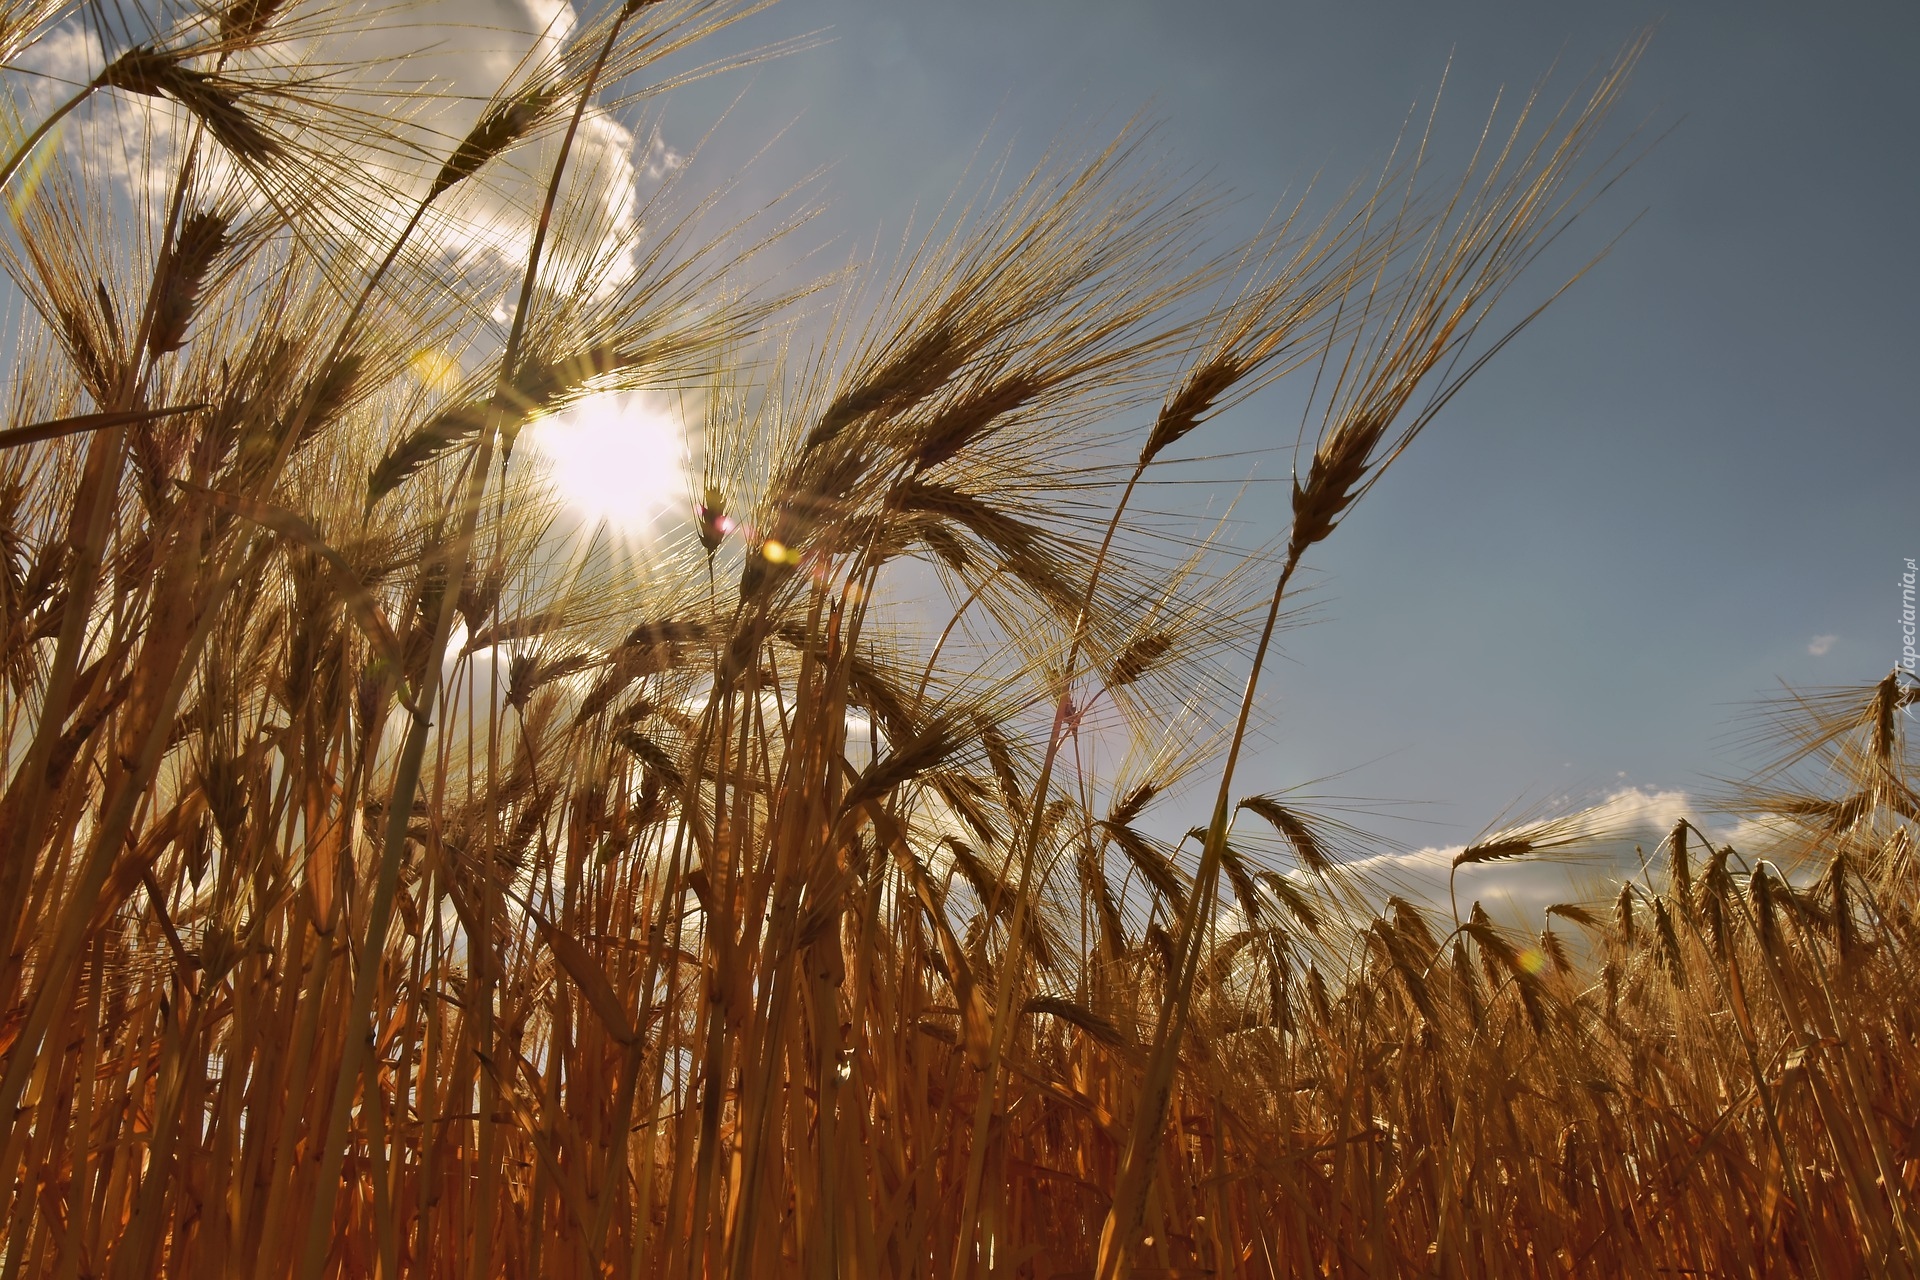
pixel 399 878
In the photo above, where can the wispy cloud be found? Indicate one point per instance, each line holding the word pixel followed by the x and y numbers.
pixel 1630 818
pixel 1622 839
pixel 1819 646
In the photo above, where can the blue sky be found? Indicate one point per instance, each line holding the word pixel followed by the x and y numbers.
pixel 1694 472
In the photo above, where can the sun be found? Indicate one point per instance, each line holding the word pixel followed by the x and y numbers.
pixel 617 458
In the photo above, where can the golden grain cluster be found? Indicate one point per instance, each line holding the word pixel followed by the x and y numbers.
pixel 396 880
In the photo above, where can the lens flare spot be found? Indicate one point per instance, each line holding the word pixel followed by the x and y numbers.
pixel 776 551
pixel 436 370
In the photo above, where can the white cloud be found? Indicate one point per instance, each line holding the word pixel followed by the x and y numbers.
pixel 428 67
pixel 1519 890
pixel 1819 646
pixel 1766 836
pixel 117 135
pixel 462 52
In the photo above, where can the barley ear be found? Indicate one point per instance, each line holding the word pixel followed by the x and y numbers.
pixel 499 127
pixel 1669 938
pixel 202 237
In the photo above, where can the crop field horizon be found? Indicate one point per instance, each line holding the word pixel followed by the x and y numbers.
pixel 551 728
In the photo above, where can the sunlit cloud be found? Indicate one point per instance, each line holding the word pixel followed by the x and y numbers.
pixel 1630 818
pixel 1820 646
pixel 429 66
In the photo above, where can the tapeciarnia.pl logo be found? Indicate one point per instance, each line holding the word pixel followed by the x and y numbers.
pixel 1907 654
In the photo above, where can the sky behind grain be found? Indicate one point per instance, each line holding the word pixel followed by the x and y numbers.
pixel 1693 480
